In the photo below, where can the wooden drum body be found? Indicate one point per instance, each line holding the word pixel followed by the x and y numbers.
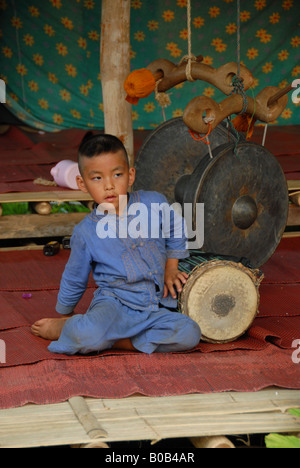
pixel 222 297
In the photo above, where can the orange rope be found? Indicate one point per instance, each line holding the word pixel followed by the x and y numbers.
pixel 197 137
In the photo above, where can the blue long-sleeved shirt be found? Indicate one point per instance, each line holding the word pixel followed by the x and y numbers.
pixel 131 267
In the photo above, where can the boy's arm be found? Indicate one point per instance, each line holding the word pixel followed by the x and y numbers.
pixel 173 277
pixel 176 246
pixel 75 277
pixel 174 229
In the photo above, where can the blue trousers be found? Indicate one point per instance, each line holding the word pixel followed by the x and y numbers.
pixel 108 321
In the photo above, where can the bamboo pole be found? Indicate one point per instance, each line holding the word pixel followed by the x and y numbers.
pixel 115 67
pixel 212 442
pixel 86 418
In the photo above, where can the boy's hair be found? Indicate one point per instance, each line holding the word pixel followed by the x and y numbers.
pixel 95 145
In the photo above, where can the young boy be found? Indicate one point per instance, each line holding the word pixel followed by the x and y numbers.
pixel 136 274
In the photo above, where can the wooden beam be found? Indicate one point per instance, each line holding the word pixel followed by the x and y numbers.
pixel 294 215
pixel 54 196
pixel 293 185
pixel 30 226
pixel 115 67
pixel 291 234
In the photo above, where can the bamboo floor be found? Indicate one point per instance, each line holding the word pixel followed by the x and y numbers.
pixel 144 418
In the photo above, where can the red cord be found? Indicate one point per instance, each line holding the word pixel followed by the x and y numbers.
pixel 197 137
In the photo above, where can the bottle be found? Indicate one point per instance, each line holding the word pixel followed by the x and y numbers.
pixel 65 173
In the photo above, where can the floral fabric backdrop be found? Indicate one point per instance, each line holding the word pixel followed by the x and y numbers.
pixel 49 54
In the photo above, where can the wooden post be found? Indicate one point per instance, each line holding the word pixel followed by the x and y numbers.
pixel 211 442
pixel 42 208
pixel 115 67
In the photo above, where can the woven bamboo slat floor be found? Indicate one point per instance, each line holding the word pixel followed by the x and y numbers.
pixel 144 418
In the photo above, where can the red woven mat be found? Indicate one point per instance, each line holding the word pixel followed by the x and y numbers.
pixel 26 157
pixel 31 282
pixel 31 270
pixel 19 311
pixel 260 358
pixel 122 375
pixel 28 186
pixel 22 155
pixel 280 139
pixel 279 300
pixel 284 266
pixel 293 176
pixel 24 348
pixel 26 173
pixel 21 147
pixel 290 163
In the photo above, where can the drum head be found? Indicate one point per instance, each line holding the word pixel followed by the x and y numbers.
pixel 222 298
pixel 170 152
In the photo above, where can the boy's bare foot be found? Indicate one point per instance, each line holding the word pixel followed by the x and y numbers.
pixel 124 344
pixel 49 328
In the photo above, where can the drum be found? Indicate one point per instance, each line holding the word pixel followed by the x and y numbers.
pixel 222 296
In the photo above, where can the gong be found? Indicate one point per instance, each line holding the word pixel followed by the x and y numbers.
pixel 243 188
pixel 170 152
pixel 245 197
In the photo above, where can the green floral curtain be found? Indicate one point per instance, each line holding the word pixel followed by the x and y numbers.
pixel 49 54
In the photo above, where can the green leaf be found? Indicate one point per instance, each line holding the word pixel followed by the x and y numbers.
pixel 71 207
pixel 15 209
pixel 295 412
pixel 281 441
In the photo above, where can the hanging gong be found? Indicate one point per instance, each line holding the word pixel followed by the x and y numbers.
pixel 170 152
pixel 245 199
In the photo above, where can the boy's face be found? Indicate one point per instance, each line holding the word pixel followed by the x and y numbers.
pixel 106 177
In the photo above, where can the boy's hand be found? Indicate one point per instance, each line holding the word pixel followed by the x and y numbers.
pixel 173 277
